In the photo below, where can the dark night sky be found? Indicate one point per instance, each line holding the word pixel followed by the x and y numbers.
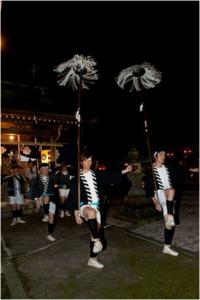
pixel 117 35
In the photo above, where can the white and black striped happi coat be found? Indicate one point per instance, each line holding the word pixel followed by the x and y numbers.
pixel 38 187
pixel 149 183
pixel 101 179
pixel 11 184
pixel 87 190
pixel 159 179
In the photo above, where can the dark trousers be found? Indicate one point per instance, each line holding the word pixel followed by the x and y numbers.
pixel 177 205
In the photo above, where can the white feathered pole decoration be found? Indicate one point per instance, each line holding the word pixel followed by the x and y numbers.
pixel 141 77
pixel 77 73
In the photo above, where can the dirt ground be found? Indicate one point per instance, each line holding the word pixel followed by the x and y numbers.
pixel 133 268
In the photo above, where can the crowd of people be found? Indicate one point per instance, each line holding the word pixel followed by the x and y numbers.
pixel 49 190
pixel 55 192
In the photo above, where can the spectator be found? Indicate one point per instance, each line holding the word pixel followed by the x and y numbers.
pixel 30 173
pixel 180 171
pixel 62 179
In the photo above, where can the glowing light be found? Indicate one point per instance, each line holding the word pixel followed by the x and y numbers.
pixel 170 154
pixel 11 137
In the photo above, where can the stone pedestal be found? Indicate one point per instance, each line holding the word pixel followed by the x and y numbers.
pixel 136 200
pixel 136 188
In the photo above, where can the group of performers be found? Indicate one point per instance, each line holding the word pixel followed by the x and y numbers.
pixel 46 189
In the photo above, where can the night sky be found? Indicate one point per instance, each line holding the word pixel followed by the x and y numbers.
pixel 117 35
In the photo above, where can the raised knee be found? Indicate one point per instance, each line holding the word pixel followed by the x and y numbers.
pixel 91 214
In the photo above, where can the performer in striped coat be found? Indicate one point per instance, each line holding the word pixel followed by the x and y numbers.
pixel 163 197
pixel 92 190
pixel 16 190
pixel 44 191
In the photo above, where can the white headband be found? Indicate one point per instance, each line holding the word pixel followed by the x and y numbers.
pixel 44 168
pixel 156 152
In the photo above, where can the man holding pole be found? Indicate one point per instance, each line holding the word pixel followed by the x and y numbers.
pixel 162 196
pixel 92 186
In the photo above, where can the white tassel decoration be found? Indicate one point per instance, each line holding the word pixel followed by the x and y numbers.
pixel 78 116
pixel 143 76
pixel 69 72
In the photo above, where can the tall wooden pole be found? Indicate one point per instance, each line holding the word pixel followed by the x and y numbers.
pixel 148 145
pixel 79 142
pixel 18 148
pixel 143 108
